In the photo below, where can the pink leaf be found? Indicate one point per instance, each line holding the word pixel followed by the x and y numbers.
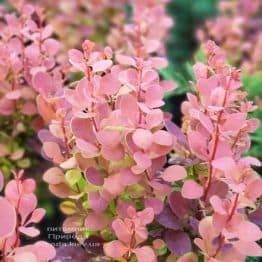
pixel 115 249
pixel 25 257
pixel 37 215
pixel 43 83
pixel 53 151
pixel 224 163
pixel 145 253
pixel 12 191
pixel 200 70
pixel 44 251
pixel 207 230
pixel 94 177
pixel 174 173
pixel 159 62
pixel 152 45
pixel 121 230
pixel 191 190
pixel 113 185
pixel 154 118
pixel 143 138
pixel 76 58
pixel 102 65
pixel 254 189
pixel 54 176
pixel 69 163
pixel 217 205
pixel 127 177
pixel 83 128
pixel 250 161
pixel 248 232
pixel 96 221
pixel 113 153
pixel 149 77
pixel 97 203
pixel 45 109
pixel 29 185
pixel 129 107
pixel 142 160
pixel 248 248
pixel 198 144
pixel 154 96
pixel 28 203
pixel 125 60
pixel 52 46
pixel 109 138
pixel 206 86
pixel 146 216
pixel 47 32
pixel 163 138
pixel 168 85
pixel 109 85
pixel 60 190
pixel 204 119
pixel 234 122
pixel 7 218
pixel 154 203
pixel 88 148
pixel 29 231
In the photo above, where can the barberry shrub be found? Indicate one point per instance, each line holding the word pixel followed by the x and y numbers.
pixel 127 176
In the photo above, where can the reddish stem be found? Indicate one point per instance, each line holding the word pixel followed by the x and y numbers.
pixel 3 251
pixel 139 92
pixel 220 245
pixel 233 208
pixel 221 237
pixel 236 139
pixel 17 212
pixel 65 136
pixel 214 148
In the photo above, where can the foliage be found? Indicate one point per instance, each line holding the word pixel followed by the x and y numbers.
pixel 133 186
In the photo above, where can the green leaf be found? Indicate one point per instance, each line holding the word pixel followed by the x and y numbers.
pixel 162 251
pixel 135 191
pixel 24 163
pixel 107 234
pixel 73 176
pixel 112 208
pixel 68 207
pixel 85 204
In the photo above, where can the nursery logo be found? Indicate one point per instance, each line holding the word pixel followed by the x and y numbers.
pixel 94 245
pixel 58 238
pixel 69 248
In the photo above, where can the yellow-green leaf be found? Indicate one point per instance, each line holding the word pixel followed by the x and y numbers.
pixel 73 176
pixel 118 128
pixel 127 161
pixel 68 207
pixel 135 191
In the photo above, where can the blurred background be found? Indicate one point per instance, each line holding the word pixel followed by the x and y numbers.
pixel 236 25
